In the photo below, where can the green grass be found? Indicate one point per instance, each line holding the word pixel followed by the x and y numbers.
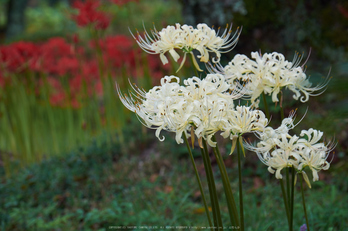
pixel 101 185
pixel 32 129
pixel 132 15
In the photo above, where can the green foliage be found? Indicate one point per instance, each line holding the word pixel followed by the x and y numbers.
pixel 2 14
pixel 288 26
pixel 49 19
pixel 99 187
pixel 32 129
pixel 144 13
pixel 256 17
pixel 43 22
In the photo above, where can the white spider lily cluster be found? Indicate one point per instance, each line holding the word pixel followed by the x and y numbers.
pixel 269 73
pixel 278 149
pixel 186 38
pixel 201 107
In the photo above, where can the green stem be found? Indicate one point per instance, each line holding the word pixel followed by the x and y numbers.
pixel 99 52
pixel 288 187
pixel 240 189
pixel 266 105
pixel 193 66
pixel 304 204
pixel 231 204
pixel 292 198
pixel 280 95
pixel 130 18
pixel 212 188
pixel 285 201
pixel 198 180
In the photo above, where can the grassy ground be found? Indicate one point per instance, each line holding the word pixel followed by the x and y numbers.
pixel 152 183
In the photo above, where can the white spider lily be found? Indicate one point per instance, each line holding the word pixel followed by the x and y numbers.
pixel 269 74
pixel 269 136
pixel 313 136
pixel 276 161
pixel 315 160
pixel 198 107
pixel 187 38
pixel 278 149
pixel 243 120
pixel 302 85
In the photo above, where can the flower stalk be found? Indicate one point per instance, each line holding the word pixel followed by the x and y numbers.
pixel 286 205
pixel 241 207
pixel 304 204
pixel 231 204
pixel 212 188
pixel 198 180
pixel 266 106
pixel 292 198
pixel 288 187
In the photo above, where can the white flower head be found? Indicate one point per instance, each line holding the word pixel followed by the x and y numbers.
pixel 314 153
pixel 243 119
pixel 202 105
pixel 276 161
pixel 270 73
pixel 278 149
pixel 203 39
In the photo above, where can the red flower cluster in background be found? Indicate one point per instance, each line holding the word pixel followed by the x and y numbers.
pixel 57 57
pixel 71 69
pixel 18 56
pixel 90 15
pixel 118 51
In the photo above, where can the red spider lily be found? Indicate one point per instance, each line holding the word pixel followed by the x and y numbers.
pixel 18 56
pixel 89 76
pixel 75 103
pixel 90 71
pixel 156 68
pixel 67 65
pixel 88 14
pixel 343 11
pixel 55 83
pixel 118 51
pixel 58 99
pixel 58 57
pixel 56 47
pixel 75 39
pixel 98 88
pixel 75 84
pixel 58 96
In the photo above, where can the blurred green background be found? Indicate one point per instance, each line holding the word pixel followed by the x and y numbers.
pixel 83 162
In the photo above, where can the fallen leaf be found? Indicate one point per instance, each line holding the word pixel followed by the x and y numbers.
pixel 201 210
pixel 197 194
pixel 168 189
pixel 153 178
